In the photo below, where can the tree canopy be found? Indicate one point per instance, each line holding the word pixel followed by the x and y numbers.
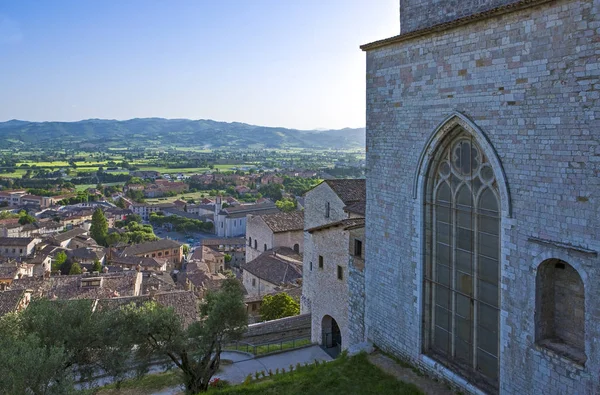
pixel 50 344
pixel 195 350
pixel 286 204
pixel 59 260
pixel 25 218
pixel 99 228
pixel 75 269
pixel 277 306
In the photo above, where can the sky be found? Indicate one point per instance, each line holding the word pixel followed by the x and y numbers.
pixel 288 63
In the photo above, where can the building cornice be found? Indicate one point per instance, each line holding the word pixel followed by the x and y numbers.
pixel 505 9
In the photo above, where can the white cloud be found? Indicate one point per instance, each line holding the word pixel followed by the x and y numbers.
pixel 10 32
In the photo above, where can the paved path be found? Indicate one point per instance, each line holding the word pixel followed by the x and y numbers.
pixel 245 364
pixel 426 384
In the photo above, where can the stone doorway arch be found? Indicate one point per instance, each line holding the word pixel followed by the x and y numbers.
pixel 331 336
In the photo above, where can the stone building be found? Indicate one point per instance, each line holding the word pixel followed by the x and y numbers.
pixel 269 231
pixel 231 221
pixel 332 210
pixel 212 257
pixel 483 179
pixel 233 246
pixel 166 249
pixel 273 271
pixel 18 247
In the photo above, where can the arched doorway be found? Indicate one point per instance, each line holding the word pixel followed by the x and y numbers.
pixel 331 336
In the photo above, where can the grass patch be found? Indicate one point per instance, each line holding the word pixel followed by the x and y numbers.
pixel 143 385
pixel 343 376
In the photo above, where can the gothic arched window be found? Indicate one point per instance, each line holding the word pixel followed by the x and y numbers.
pixel 462 268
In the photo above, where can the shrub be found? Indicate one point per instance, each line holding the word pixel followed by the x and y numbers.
pixel 218 383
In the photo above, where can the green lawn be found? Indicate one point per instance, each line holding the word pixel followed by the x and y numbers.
pixel 197 196
pixel 83 187
pixel 344 376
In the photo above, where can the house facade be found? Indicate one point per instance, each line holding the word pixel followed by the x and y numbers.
pixel 325 290
pixel 18 247
pixel 144 210
pixel 233 246
pixel 272 271
pixel 482 253
pixel 168 250
pixel 265 232
pixel 231 221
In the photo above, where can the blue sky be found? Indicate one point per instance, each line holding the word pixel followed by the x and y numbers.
pixel 284 63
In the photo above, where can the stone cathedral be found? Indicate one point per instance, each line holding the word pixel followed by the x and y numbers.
pixel 483 194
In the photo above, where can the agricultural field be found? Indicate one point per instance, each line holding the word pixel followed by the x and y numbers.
pixel 83 187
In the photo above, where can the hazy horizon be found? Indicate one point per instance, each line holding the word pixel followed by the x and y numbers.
pixel 293 64
pixel 178 119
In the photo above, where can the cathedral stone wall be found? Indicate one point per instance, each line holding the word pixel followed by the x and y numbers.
pixel 421 14
pixel 530 81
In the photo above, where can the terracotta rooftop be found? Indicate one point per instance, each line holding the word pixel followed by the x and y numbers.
pixel 69 234
pixel 8 272
pixel 131 260
pixel 345 223
pixel 9 300
pixel 356 208
pixel 264 211
pixel 248 208
pixel 184 303
pixel 349 190
pixel 76 286
pixel 275 268
pixel 284 222
pixel 15 241
pixel 86 253
pixel 157 281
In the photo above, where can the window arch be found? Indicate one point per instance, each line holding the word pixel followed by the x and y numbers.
pixel 297 248
pixel 560 310
pixel 462 260
pixel 250 241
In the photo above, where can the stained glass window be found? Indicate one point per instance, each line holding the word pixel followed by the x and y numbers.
pixel 462 276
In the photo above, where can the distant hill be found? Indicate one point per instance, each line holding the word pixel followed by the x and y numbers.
pixel 165 133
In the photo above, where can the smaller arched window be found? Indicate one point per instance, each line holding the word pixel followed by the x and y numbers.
pixel 560 310
pixel 255 244
pixel 297 248
pixel 250 241
pixel 265 247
